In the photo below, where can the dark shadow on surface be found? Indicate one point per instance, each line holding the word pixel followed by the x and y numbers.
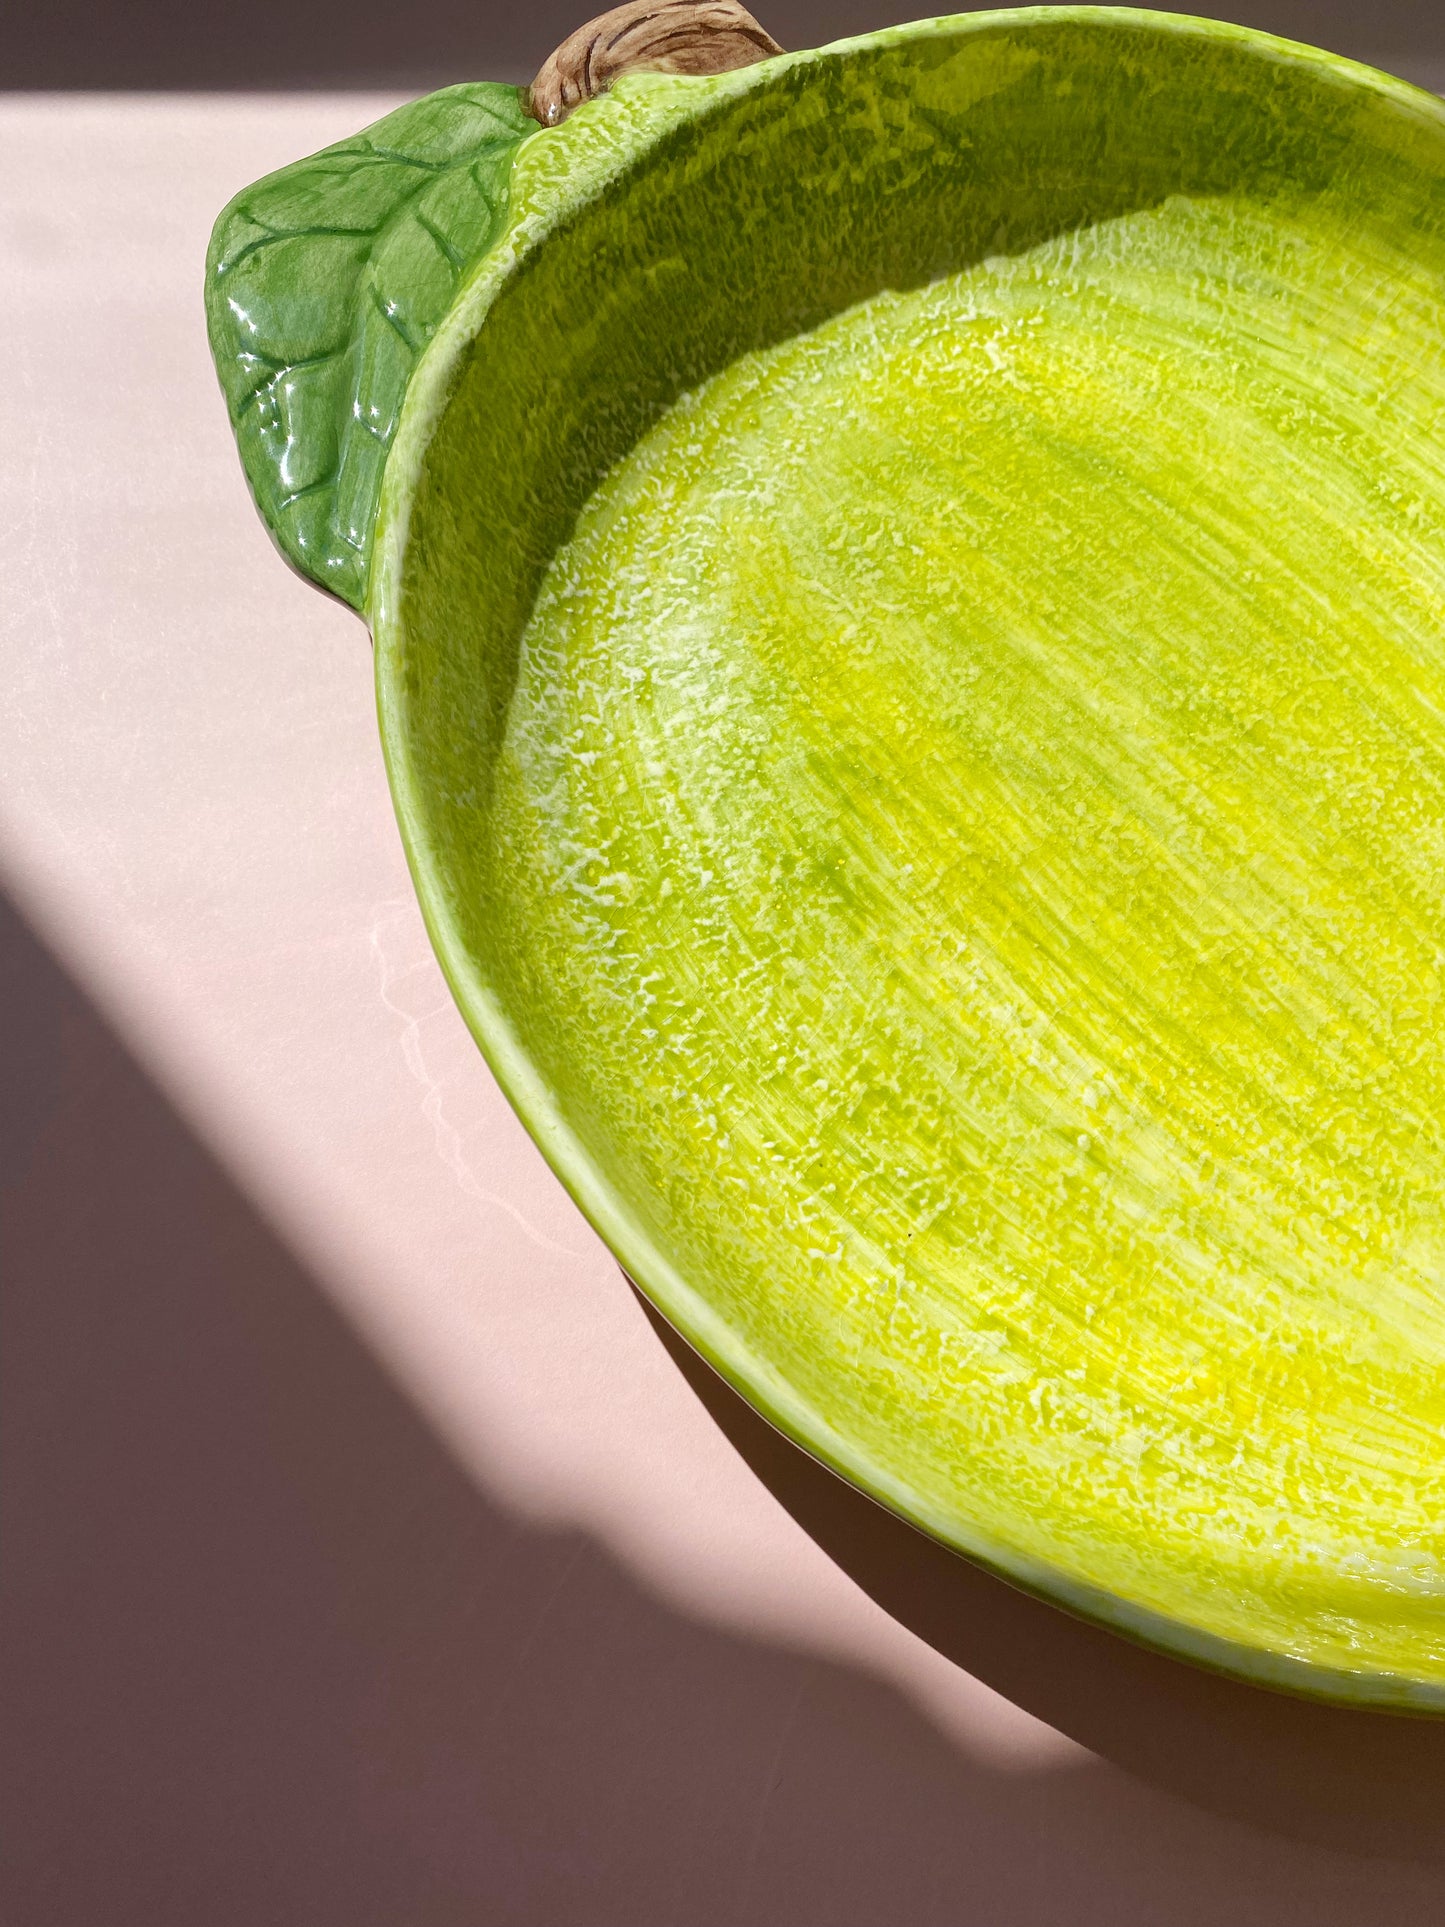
pixel 366 43
pixel 1364 1782
pixel 271 1660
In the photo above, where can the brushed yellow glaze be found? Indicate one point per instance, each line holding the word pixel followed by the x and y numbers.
pixel 974 796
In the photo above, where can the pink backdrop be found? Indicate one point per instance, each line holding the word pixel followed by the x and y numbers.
pixel 368 1556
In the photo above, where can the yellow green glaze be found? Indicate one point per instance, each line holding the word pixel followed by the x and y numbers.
pixel 910 615
pixel 989 862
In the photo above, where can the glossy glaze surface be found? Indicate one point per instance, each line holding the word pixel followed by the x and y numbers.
pixel 989 858
pixel 324 283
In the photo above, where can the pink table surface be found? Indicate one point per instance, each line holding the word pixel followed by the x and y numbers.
pixel 368 1557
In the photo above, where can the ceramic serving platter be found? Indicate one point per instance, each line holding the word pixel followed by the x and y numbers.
pixel 908 586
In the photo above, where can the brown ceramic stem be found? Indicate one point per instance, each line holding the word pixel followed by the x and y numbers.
pixel 646 36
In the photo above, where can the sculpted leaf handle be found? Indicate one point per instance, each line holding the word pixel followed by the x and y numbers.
pixel 326 281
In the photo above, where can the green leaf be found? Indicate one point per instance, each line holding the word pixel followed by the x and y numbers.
pixel 324 283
